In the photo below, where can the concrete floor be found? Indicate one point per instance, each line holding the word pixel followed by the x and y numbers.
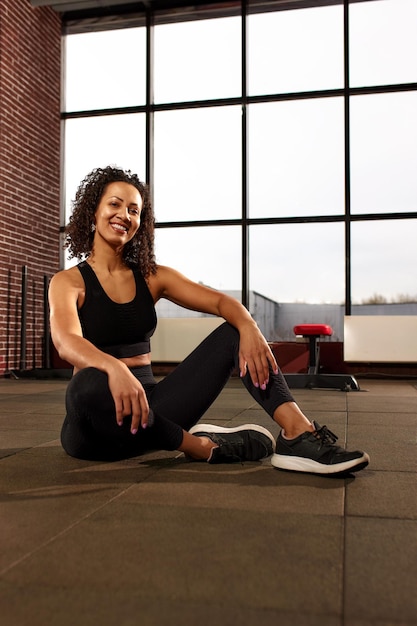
pixel 158 540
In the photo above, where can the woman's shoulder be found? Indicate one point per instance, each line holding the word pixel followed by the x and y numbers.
pixel 162 273
pixel 159 281
pixel 70 277
pixel 166 278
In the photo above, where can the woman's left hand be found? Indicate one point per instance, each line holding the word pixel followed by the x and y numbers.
pixel 255 356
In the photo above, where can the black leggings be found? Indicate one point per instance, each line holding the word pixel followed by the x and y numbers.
pixel 177 402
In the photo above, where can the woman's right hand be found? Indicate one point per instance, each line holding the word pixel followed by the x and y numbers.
pixel 129 397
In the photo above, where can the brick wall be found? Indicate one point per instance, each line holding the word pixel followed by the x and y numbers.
pixel 30 59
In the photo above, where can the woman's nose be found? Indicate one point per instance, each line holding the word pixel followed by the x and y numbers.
pixel 124 213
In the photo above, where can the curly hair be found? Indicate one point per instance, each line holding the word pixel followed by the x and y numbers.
pixel 79 233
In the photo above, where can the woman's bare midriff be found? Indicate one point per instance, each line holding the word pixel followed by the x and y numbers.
pixel 137 361
pixel 131 361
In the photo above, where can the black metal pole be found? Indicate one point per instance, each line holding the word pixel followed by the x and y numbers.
pixel 23 318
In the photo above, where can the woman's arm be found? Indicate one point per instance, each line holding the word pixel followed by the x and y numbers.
pixel 255 354
pixel 128 394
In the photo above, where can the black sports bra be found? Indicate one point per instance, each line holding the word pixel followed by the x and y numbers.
pixel 122 330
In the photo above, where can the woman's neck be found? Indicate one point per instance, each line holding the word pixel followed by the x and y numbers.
pixel 111 261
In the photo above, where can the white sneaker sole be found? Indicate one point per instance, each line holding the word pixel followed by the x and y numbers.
pixel 212 428
pixel 301 464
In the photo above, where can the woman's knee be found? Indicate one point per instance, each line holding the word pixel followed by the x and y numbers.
pixel 88 387
pixel 226 336
pixel 228 331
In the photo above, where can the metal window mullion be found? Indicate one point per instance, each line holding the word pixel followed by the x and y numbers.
pixel 348 274
pixel 245 225
pixel 149 159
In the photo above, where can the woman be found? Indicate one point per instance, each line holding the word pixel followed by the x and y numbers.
pixel 102 318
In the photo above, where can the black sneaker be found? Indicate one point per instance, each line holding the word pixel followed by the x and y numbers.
pixel 317 453
pixel 243 443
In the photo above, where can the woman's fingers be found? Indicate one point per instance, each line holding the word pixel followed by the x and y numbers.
pixel 129 400
pixel 259 367
pixel 138 408
pixel 259 371
pixel 118 404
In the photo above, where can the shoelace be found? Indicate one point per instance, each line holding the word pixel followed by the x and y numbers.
pixel 325 436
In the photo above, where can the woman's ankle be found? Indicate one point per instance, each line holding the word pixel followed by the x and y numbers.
pixel 292 420
pixel 198 448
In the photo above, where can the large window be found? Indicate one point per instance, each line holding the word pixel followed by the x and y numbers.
pixel 383 42
pixel 296 158
pixel 384 261
pixel 279 141
pixel 384 152
pixel 105 69
pixel 99 141
pixel 296 50
pixel 298 262
pixel 198 164
pixel 199 252
pixel 197 60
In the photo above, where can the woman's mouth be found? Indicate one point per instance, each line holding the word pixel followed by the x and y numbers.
pixel 119 228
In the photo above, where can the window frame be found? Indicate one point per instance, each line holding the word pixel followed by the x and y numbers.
pixel 82 21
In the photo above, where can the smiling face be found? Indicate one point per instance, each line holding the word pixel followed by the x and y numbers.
pixel 117 217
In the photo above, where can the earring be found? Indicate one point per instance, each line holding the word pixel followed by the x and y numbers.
pixel 93 227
